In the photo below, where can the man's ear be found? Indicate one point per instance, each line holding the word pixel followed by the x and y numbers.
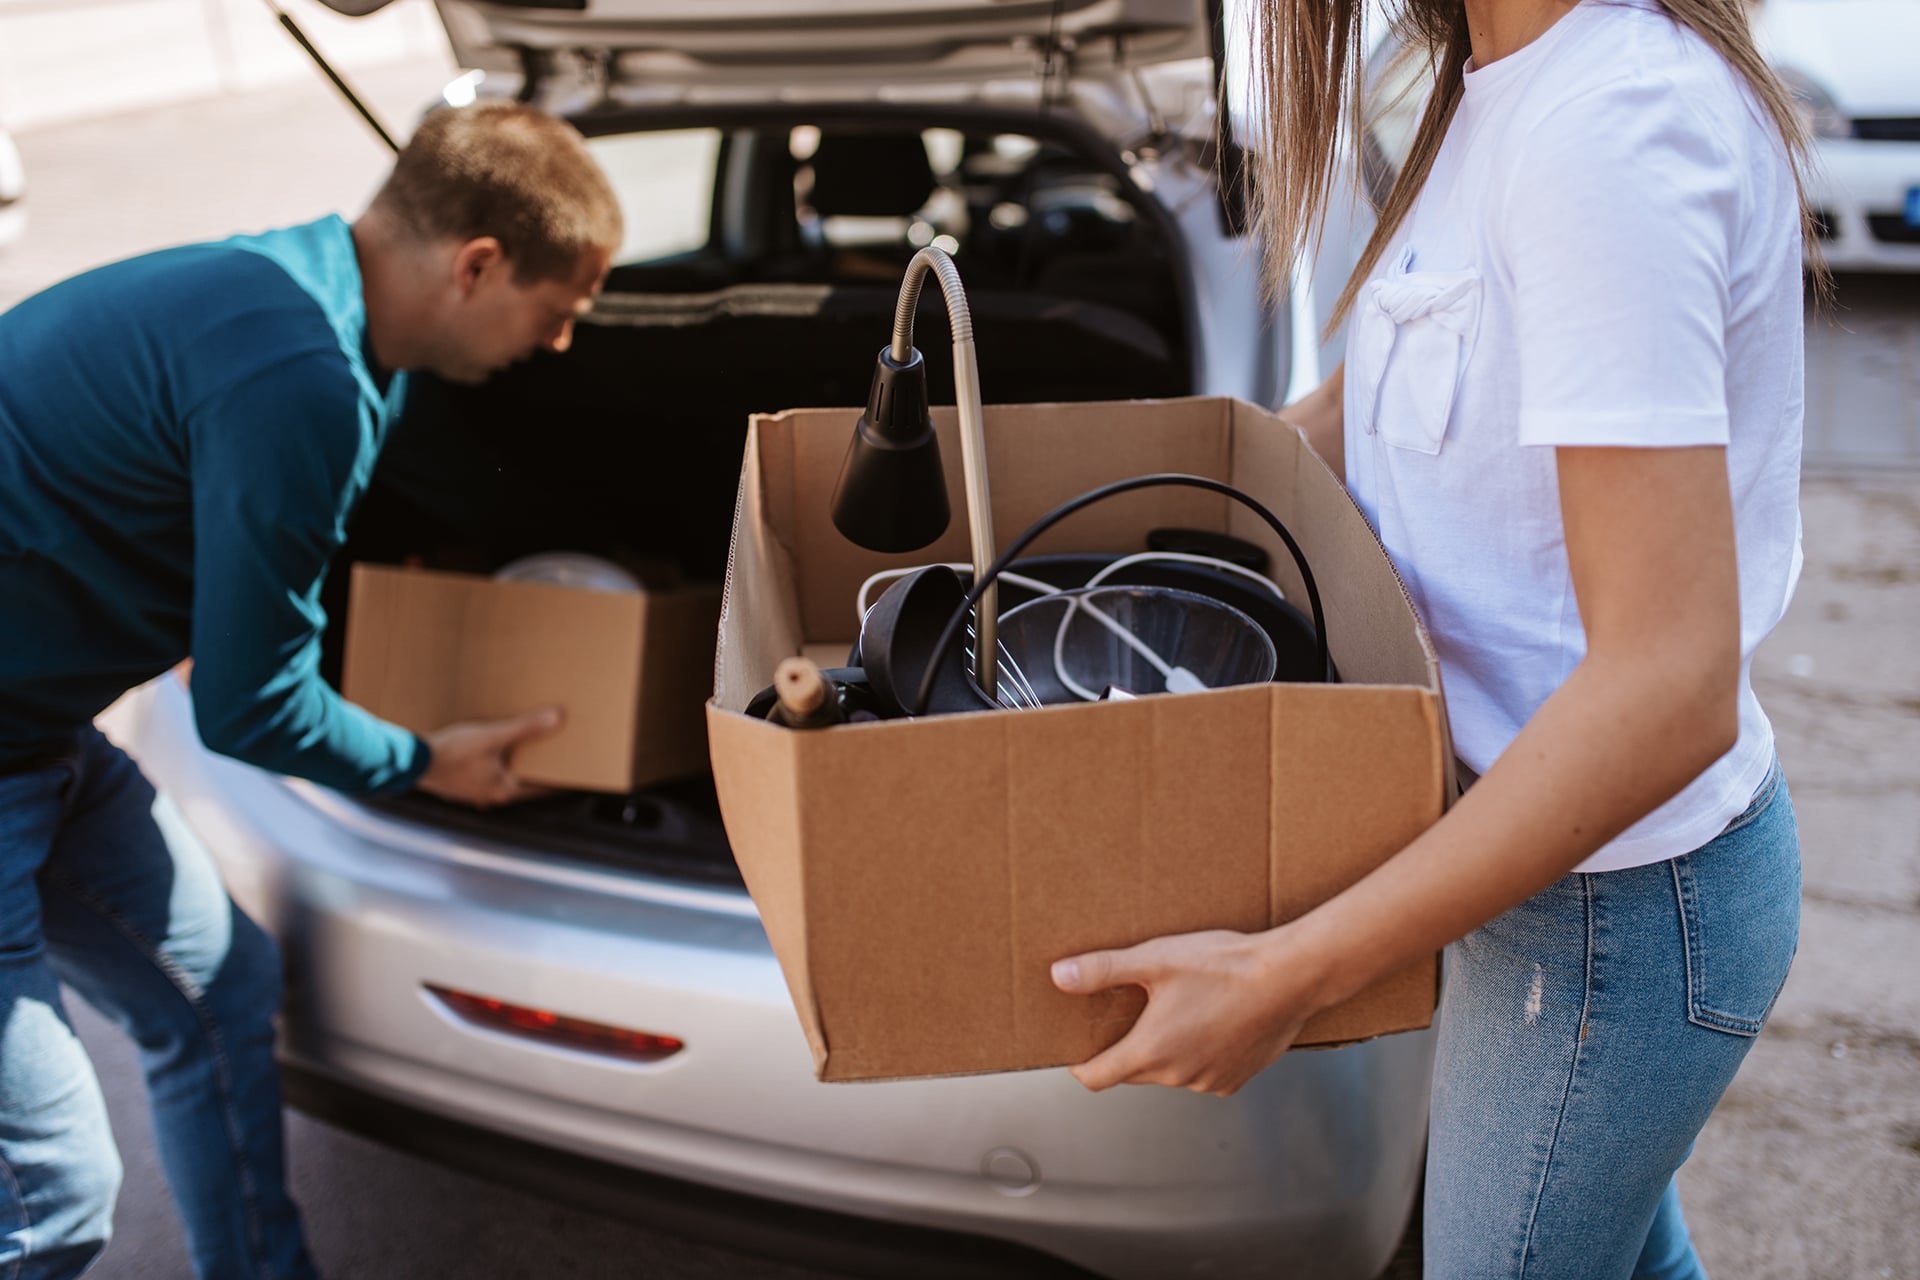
pixel 474 260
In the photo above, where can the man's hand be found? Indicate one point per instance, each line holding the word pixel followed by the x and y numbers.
pixel 471 762
pixel 1221 1007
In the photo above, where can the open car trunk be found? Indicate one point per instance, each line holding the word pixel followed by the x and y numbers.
pixel 759 45
pixel 629 446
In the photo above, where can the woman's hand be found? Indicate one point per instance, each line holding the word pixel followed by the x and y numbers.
pixel 1221 1007
pixel 1650 542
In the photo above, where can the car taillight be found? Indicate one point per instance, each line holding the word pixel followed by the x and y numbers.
pixel 557 1029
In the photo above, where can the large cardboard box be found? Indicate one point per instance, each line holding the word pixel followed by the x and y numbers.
pixel 426 649
pixel 917 878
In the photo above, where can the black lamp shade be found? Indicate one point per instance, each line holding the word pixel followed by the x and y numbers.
pixel 892 494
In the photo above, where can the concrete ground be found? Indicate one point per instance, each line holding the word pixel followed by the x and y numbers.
pixel 1809 1170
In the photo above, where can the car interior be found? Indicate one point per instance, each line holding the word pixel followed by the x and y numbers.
pixel 773 288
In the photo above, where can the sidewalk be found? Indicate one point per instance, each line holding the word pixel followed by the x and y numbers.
pixel 1810 1169
pixel 108 187
pixel 63 60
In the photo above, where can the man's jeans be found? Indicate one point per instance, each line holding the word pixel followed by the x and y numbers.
pixel 1585 1037
pixel 93 896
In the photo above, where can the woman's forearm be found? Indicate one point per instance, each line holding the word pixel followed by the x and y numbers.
pixel 1608 747
pixel 1654 701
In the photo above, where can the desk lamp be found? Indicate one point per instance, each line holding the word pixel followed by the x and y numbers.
pixel 892 493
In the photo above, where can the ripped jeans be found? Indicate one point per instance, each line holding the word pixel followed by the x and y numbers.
pixel 1585 1037
pixel 92 894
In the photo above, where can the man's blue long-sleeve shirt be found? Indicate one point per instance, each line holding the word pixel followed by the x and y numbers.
pixel 182 438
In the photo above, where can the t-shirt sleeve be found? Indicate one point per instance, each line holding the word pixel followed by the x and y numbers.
pixel 1617 231
pixel 277 462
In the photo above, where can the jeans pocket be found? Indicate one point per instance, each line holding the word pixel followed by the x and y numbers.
pixel 1739 900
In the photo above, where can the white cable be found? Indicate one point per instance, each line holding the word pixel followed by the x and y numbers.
pixel 1078 690
pixel 1185 557
pixel 1024 687
pixel 885 575
pixel 1178 679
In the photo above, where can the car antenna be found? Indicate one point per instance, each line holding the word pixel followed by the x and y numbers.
pixel 346 91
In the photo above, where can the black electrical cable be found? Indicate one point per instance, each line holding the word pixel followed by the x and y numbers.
pixel 959 619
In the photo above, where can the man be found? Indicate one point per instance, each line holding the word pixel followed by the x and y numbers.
pixel 182 438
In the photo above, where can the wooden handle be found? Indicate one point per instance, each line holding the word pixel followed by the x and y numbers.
pixel 801 688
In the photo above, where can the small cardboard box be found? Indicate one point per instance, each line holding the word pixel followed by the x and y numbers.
pixel 917 878
pixel 426 649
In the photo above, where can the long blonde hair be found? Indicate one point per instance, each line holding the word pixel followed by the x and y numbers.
pixel 1307 82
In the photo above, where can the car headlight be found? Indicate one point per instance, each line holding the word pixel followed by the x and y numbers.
pixel 1818 111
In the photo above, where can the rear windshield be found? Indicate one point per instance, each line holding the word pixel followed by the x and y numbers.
pixel 665 183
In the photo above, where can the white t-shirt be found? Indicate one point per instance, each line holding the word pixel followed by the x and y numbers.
pixel 1607 252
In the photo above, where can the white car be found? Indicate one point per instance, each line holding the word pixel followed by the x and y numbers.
pixel 13 190
pixel 582 984
pixel 13 177
pixel 1854 68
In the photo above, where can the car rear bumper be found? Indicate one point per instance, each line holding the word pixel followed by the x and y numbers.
pixel 741 1224
pixel 1310 1171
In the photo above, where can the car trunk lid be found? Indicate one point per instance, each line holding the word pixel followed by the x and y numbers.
pixel 777 47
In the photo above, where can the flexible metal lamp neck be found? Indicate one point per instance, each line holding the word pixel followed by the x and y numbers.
pixel 959 316
pixel 973 441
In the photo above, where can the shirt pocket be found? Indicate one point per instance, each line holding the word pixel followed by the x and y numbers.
pixel 1413 334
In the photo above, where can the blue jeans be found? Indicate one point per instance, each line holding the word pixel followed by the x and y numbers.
pixel 1585 1037
pixel 92 895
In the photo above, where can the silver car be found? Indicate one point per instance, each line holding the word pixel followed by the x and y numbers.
pixel 582 984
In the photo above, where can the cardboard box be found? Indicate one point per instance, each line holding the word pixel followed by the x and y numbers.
pixel 917 878
pixel 427 649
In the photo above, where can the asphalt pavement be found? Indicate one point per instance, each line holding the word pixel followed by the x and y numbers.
pixel 1809 1170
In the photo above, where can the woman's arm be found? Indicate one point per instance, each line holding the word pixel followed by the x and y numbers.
pixel 1321 415
pixel 1650 542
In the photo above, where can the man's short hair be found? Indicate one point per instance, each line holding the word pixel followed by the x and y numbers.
pixel 504 170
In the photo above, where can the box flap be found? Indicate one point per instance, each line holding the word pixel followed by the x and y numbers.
pixel 1355 777
pixel 676 663
pixel 755 769
pixel 1037 456
pixel 1378 638
pixel 759 608
pixel 1357 773
pixel 906 883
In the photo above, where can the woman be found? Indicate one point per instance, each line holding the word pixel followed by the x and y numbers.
pixel 1571 408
